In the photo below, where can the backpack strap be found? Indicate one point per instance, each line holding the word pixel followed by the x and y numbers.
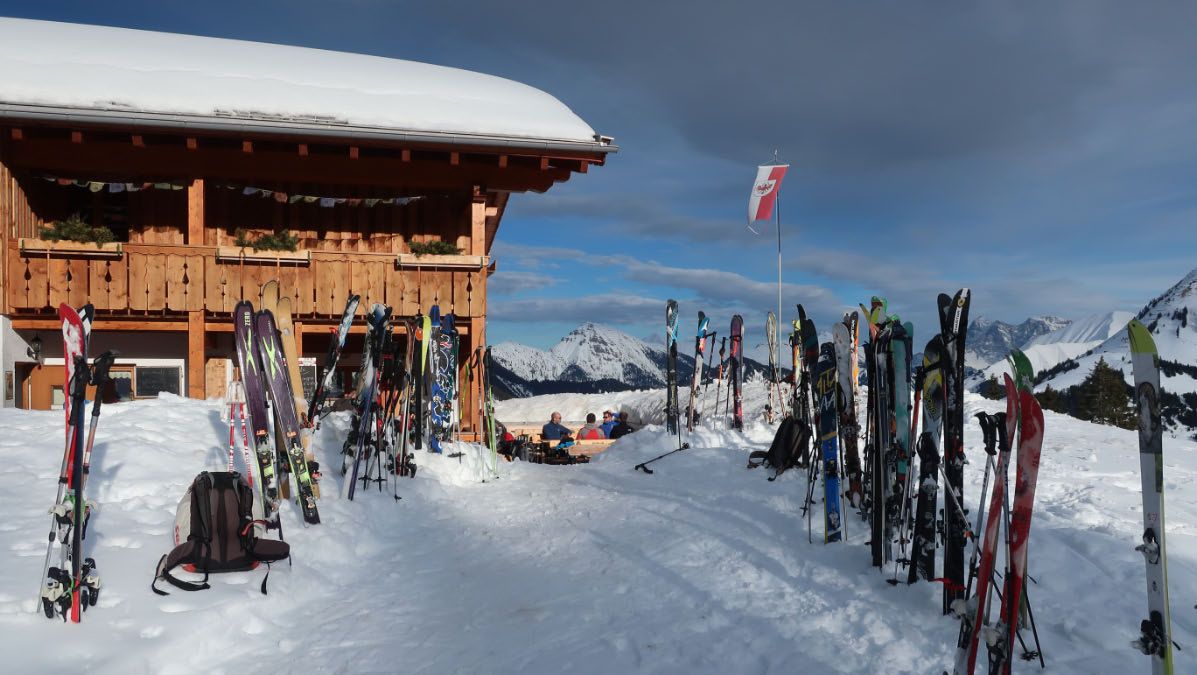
pixel 760 457
pixel 198 546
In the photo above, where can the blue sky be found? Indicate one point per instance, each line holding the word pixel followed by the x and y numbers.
pixel 1041 153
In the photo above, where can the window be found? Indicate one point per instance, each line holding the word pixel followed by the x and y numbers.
pixel 149 381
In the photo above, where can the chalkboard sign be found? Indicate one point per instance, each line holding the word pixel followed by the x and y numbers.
pixel 308 375
pixel 154 379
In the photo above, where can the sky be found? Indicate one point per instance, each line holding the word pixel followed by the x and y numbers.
pixel 1041 154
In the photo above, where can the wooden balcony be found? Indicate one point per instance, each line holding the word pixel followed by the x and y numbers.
pixel 154 280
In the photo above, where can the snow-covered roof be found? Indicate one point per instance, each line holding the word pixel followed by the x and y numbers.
pixel 52 70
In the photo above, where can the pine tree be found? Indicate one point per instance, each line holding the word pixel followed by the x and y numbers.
pixel 1052 399
pixel 1104 398
pixel 990 389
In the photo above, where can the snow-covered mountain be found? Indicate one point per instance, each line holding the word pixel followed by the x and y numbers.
pixel 990 341
pixel 1172 320
pixel 1047 350
pixel 592 358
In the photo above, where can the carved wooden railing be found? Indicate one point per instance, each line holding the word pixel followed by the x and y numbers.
pixel 168 280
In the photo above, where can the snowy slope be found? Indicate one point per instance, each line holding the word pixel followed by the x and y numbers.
pixel 1072 340
pixel 591 358
pixel 703 567
pixel 1172 319
pixel 589 352
pixel 990 341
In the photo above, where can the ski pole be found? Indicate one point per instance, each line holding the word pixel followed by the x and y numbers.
pixel 643 466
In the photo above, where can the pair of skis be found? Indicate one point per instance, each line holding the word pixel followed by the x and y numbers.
pixel 74 585
pixel 1024 417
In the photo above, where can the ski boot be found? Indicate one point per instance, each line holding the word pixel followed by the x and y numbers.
pixel 56 594
pixel 89 593
pixel 1152 640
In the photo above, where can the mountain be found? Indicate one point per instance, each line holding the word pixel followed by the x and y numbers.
pixel 1047 350
pixel 990 341
pixel 1168 318
pixel 592 358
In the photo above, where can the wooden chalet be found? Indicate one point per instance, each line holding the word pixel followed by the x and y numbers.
pixel 177 187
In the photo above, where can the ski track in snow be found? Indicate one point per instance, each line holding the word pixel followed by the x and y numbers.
pixel 702 567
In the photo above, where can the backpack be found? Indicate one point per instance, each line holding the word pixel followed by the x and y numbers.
pixel 215 531
pixel 788 449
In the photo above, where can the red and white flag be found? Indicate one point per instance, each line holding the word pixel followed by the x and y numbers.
pixel 764 191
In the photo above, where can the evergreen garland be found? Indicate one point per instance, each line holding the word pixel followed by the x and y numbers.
pixel 76 229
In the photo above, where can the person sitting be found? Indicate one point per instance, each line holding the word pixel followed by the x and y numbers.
pixel 609 422
pixel 622 428
pixel 554 430
pixel 592 431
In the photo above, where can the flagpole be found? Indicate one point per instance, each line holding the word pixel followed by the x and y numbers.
pixel 777 209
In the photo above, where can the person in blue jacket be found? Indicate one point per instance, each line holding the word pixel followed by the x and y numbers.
pixel 554 430
pixel 609 423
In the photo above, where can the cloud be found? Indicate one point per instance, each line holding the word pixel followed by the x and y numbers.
pixel 608 308
pixel 510 282
pixel 638 215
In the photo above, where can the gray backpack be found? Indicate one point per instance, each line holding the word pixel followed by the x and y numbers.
pixel 215 531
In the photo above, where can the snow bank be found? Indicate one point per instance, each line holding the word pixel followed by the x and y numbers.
pixel 703 567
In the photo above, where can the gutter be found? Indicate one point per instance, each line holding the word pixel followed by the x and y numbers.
pixel 281 126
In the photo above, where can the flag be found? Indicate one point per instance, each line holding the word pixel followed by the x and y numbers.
pixel 764 191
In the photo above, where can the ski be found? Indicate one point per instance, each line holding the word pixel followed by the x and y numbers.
pixel 278 384
pixel 672 407
pixel 1155 637
pixel 848 426
pixel 922 549
pixel 974 612
pixel 700 339
pixel 880 480
pixel 826 390
pixel 1030 442
pixel 335 346
pixel 737 371
pixel 250 367
pixel 367 390
pixel 953 322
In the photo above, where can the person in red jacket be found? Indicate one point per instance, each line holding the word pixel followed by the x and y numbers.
pixel 591 431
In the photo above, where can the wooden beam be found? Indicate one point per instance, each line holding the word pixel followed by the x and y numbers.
pixel 160 160
pixel 16 134
pixel 583 166
pixel 353 152
pixel 478 224
pixel 454 158
pixel 138 141
pixel 303 149
pixel 297 331
pixel 502 161
pixel 76 136
pixel 195 355
pixel 102 324
pixel 192 143
pixel 544 163
pixel 247 147
pixel 195 212
pixel 405 155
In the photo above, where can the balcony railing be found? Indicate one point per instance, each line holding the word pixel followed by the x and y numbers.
pixel 170 279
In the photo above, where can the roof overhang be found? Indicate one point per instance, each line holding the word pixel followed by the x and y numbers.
pixel 234 125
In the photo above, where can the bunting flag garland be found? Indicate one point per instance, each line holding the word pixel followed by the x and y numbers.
pixel 246 190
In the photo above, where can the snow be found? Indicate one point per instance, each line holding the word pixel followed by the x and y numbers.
pixel 703 567
pixel 589 352
pixel 1172 318
pixel 97 67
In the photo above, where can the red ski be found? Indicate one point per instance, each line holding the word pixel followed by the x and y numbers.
pixel 1030 442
